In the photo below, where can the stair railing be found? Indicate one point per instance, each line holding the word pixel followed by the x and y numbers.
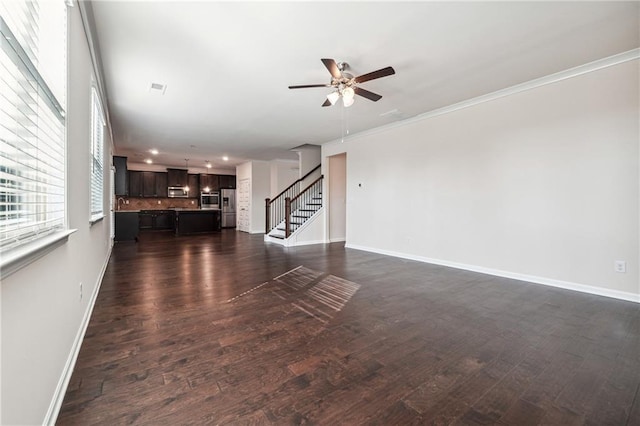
pixel 310 197
pixel 275 208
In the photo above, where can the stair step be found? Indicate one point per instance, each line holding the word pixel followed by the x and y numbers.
pixel 278 236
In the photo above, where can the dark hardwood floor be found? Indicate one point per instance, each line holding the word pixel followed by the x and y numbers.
pixel 196 330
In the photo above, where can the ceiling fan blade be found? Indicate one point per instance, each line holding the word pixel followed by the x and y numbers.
pixel 367 94
pixel 332 67
pixel 384 72
pixel 305 86
pixel 326 103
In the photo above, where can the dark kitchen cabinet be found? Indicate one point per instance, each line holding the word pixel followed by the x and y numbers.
pixel 164 219
pixel 157 219
pixel 209 181
pixel 121 180
pixel 148 184
pixel 227 181
pixel 197 221
pixel 177 177
pixel 135 183
pixel 194 186
pixel 161 184
pixel 145 219
pixel 126 225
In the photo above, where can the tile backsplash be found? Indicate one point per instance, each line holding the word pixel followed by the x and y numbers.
pixel 136 203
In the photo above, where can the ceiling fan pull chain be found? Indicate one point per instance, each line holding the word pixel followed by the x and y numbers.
pixel 342 122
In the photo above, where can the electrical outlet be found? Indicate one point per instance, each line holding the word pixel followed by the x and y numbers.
pixel 80 290
pixel 620 266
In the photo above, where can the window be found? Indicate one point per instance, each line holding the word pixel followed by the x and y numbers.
pixel 97 169
pixel 33 80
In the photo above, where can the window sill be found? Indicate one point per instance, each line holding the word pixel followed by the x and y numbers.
pixel 95 220
pixel 21 256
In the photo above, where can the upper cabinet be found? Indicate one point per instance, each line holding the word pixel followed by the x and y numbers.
pixel 177 177
pixel 194 186
pixel 161 184
pixel 227 181
pixel 209 183
pixel 154 184
pixel 122 180
pixel 147 184
pixel 135 183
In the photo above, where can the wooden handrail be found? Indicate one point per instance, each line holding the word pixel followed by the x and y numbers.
pixel 307 188
pixel 292 185
pixel 276 208
pixel 291 204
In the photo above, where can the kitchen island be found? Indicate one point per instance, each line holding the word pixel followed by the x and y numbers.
pixel 196 221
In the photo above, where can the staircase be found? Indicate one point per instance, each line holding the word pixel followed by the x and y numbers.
pixel 291 209
pixel 298 217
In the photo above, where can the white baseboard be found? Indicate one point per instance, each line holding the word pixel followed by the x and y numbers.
pixel 337 240
pixel 307 243
pixel 63 382
pixel 583 288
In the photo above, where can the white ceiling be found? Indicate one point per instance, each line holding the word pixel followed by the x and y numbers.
pixel 227 65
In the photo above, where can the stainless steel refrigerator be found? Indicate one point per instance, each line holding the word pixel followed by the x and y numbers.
pixel 228 207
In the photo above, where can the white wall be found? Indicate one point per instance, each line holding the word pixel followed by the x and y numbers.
pixel 309 156
pixel 259 173
pixel 542 185
pixel 337 197
pixel 283 174
pixel 42 312
pixel 260 187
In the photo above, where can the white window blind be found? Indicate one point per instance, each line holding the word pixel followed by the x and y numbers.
pixel 33 79
pixel 97 169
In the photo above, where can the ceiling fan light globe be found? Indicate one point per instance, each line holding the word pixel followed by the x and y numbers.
pixel 333 97
pixel 347 102
pixel 348 93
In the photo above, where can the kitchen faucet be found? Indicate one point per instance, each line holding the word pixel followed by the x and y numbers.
pixel 118 202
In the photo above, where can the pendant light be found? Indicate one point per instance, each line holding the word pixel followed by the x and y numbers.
pixel 186 187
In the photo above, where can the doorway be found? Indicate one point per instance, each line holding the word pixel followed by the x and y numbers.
pixel 337 198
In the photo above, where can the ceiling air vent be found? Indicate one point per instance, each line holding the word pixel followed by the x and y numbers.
pixel 158 88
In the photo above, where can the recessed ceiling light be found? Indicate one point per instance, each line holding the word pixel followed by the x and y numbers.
pixel 148 161
pixel 154 151
pixel 225 158
pixel 208 165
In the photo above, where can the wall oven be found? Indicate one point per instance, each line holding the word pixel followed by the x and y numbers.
pixel 209 200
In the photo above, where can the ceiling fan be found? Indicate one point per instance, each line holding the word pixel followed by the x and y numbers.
pixel 346 85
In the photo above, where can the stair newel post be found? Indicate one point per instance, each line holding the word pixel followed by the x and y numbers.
pixel 267 221
pixel 287 217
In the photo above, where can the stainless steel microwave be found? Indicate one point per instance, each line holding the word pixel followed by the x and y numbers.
pixel 177 192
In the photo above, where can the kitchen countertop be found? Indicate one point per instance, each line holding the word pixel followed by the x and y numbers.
pixel 196 210
pixel 177 209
